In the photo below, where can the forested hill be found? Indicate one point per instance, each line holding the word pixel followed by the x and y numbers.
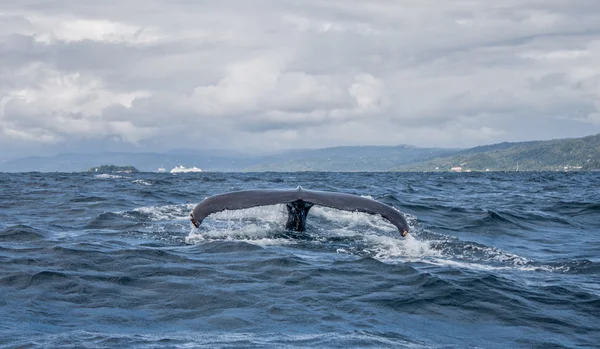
pixel 555 155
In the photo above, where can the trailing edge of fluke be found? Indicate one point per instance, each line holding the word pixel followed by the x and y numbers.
pixel 298 203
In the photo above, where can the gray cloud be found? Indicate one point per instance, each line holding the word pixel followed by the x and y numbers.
pixel 277 74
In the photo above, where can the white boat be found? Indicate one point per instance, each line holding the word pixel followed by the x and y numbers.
pixel 162 169
pixel 181 169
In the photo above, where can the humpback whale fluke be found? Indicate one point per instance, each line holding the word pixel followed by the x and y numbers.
pixel 298 202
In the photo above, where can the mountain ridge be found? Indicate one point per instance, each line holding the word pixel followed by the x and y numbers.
pixel 552 155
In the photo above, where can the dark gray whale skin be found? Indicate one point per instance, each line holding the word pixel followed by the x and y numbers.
pixel 298 202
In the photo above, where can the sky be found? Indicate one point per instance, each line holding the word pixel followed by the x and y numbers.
pixel 268 75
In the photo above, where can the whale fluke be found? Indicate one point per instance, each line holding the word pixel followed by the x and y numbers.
pixel 298 202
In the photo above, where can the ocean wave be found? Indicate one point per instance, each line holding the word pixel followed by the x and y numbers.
pixel 21 233
pixel 88 199
pixel 575 207
pixel 491 260
pixel 185 339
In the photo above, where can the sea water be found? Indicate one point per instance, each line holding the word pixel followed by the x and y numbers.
pixel 493 260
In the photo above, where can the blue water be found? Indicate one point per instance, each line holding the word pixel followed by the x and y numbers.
pixel 493 260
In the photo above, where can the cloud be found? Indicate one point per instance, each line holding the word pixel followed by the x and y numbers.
pixel 272 74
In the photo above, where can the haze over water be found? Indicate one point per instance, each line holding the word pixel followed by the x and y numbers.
pixel 493 260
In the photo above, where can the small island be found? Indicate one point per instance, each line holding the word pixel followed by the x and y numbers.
pixel 113 169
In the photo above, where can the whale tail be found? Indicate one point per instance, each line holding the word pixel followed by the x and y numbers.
pixel 298 202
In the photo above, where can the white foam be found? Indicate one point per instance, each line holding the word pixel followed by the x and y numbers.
pixel 387 248
pixel 107 176
pixel 196 237
pixel 488 267
pixel 490 254
pixel 239 339
pixel 251 233
pixel 142 182
pixel 473 256
pixel 167 212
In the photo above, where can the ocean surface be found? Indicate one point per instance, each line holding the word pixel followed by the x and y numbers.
pixel 493 260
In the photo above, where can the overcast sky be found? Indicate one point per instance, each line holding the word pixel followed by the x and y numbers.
pixel 278 74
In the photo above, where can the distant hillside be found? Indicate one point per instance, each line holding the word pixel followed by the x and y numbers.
pixel 555 155
pixel 348 159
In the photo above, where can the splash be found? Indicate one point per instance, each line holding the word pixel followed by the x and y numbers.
pixel 344 232
pixel 408 249
pixel 351 220
pixel 257 225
